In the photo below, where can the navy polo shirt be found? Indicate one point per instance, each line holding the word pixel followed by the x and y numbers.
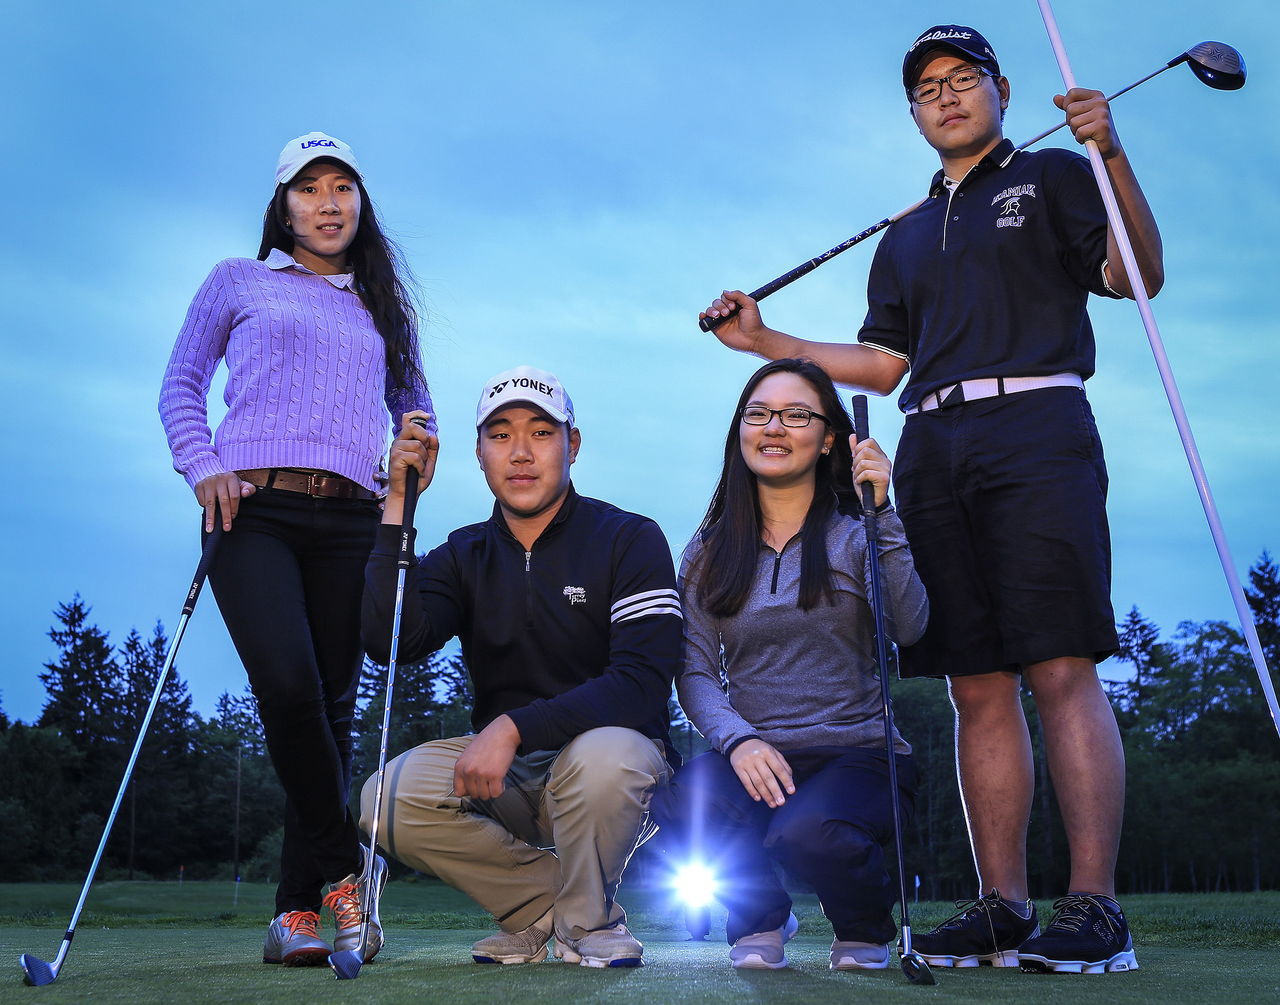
pixel 990 278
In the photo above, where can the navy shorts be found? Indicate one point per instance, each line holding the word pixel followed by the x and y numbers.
pixel 1004 503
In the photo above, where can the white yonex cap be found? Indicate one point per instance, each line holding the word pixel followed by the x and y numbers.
pixel 300 152
pixel 527 385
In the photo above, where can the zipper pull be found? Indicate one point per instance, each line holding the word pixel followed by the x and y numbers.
pixel 527 555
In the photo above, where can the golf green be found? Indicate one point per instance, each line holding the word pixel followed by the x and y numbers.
pixel 160 942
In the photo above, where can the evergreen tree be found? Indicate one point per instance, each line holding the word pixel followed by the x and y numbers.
pixel 1264 600
pixel 83 684
pixel 431 699
pixel 164 788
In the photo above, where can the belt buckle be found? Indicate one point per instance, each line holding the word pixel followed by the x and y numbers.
pixel 955 396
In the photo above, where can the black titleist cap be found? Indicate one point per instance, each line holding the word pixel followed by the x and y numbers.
pixel 955 37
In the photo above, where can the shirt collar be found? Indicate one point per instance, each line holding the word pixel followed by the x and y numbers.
pixel 997 157
pixel 566 510
pixel 278 259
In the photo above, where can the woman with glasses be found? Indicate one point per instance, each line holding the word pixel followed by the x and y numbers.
pixel 319 337
pixel 780 672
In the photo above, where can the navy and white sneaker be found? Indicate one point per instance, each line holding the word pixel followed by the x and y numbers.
pixel 1088 935
pixel 985 930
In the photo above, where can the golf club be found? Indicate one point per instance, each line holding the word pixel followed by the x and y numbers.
pixel 1215 63
pixel 913 965
pixel 36 972
pixel 1215 77
pixel 346 964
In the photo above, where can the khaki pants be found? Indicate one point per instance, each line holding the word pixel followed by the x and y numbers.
pixel 588 801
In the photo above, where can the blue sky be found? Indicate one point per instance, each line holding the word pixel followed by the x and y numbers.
pixel 571 183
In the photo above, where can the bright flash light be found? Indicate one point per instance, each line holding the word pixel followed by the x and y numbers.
pixel 695 884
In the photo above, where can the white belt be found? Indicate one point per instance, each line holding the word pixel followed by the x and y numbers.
pixel 991 387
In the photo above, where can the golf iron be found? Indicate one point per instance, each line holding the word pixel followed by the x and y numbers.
pixel 347 963
pixel 1215 63
pixel 913 965
pixel 35 971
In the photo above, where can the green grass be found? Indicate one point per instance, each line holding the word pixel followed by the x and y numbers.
pixel 163 942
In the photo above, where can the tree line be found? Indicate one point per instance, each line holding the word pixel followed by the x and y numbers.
pixel 1203 794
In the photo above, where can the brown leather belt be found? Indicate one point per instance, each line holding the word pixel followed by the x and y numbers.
pixel 312 483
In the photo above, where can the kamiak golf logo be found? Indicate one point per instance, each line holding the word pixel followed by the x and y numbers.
pixel 1010 202
pixel 576 594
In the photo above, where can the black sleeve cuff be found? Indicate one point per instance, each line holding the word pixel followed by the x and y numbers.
pixel 738 743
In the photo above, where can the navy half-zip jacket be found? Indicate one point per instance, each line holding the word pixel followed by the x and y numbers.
pixel 583 630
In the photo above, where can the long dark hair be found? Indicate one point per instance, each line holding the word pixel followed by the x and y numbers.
pixel 730 531
pixel 378 265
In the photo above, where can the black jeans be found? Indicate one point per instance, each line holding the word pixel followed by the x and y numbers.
pixel 288 579
pixel 831 835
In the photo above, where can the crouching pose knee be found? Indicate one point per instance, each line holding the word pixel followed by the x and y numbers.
pixel 780 675
pixel 569 620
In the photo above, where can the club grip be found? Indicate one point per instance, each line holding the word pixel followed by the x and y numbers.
pixel 861 431
pixel 410 505
pixel 711 324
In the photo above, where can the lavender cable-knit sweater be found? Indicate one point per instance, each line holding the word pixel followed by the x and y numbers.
pixel 307 376
pixel 799 678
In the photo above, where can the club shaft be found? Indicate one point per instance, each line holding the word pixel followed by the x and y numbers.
pixel 1111 97
pixel 1201 479
pixel 202 570
pixel 871 524
pixel 786 279
pixel 402 568
pixel 769 288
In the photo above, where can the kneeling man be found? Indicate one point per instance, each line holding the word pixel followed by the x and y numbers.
pixel 570 625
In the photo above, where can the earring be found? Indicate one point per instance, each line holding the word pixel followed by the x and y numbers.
pixel 826 450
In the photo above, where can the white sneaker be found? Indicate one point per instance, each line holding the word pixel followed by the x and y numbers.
pixel 858 955
pixel 607 947
pixel 527 946
pixel 763 950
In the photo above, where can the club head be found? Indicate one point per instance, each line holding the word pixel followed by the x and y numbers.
pixel 1216 64
pixel 35 971
pixel 346 964
pixel 916 970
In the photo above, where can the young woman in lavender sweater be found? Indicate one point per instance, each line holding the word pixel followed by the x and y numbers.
pixel 320 342
pixel 780 673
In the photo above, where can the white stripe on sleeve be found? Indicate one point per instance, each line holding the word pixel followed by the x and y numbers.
pixel 642 605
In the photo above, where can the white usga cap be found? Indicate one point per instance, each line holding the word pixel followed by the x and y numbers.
pixel 301 151
pixel 527 385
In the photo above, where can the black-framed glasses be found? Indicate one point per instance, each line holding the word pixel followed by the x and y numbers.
pixel 795 417
pixel 966 78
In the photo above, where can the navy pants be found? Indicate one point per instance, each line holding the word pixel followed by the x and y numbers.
pixel 288 579
pixel 831 835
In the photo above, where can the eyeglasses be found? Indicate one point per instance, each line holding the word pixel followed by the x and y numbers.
pixel 758 415
pixel 966 78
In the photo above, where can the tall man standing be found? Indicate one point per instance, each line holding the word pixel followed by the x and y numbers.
pixel 979 298
pixel 571 629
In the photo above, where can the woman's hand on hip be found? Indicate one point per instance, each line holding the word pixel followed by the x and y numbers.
pixel 222 492
pixel 763 771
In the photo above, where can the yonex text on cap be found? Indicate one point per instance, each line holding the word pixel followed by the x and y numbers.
pixel 955 37
pixel 300 152
pixel 525 385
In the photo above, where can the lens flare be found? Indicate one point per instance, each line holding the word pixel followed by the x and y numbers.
pixel 695 884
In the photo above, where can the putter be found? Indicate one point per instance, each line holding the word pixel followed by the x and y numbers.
pixel 1214 63
pixel 35 971
pixel 913 965
pixel 346 964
